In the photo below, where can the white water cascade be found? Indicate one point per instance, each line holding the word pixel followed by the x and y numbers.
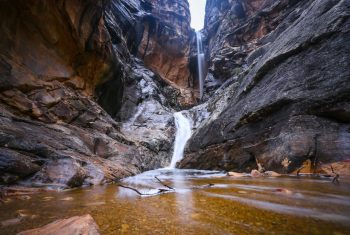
pixel 200 61
pixel 183 133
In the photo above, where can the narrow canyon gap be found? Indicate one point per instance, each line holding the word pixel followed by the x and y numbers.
pixel 175 116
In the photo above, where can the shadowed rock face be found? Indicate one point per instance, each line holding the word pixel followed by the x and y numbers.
pixel 236 28
pixel 45 43
pixel 54 59
pixel 64 67
pixel 288 102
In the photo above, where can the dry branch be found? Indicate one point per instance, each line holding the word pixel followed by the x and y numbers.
pixel 160 191
pixel 336 176
pixel 165 185
pixel 299 169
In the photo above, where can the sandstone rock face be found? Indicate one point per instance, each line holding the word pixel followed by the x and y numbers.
pixel 44 45
pixel 157 32
pixel 166 44
pixel 286 96
pixel 64 67
pixel 83 225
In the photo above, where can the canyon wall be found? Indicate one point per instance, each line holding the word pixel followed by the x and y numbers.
pixel 73 94
pixel 285 98
pixel 165 45
pixel 88 88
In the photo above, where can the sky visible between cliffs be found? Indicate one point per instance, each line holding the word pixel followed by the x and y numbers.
pixel 197 8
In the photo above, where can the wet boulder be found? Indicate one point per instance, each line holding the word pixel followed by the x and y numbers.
pixel 83 225
pixel 14 164
pixel 61 172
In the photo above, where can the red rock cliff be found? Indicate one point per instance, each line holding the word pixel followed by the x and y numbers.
pixel 165 45
pixel 63 69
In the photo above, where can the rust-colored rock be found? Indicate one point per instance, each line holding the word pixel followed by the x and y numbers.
pixel 82 225
pixel 165 45
pixel 63 70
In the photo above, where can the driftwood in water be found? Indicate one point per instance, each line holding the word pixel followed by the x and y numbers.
pixel 299 169
pixel 161 190
pixel 336 176
pixel 165 185
pixel 2 195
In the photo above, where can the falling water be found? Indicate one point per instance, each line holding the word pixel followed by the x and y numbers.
pixel 183 133
pixel 200 60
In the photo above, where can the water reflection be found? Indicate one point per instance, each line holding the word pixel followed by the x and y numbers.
pixel 183 196
pixel 231 206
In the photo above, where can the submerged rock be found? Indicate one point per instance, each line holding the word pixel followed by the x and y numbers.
pixel 256 173
pixel 10 222
pixel 83 225
pixel 271 174
pixel 236 174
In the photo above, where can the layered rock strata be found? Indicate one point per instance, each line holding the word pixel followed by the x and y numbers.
pixel 166 44
pixel 71 89
pixel 285 99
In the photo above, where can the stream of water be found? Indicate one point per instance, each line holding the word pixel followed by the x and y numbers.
pixel 284 205
pixel 192 202
pixel 183 133
pixel 200 62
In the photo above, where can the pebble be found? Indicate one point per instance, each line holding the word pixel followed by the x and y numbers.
pixel 67 199
pixel 283 190
pixel 47 199
pixel 235 174
pixel 256 173
pixel 242 192
pixel 272 173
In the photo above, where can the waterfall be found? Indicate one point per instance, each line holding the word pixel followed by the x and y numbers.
pixel 183 133
pixel 200 60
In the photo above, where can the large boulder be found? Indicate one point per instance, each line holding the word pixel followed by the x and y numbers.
pixel 14 165
pixel 82 225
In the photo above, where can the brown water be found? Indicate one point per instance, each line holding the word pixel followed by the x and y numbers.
pixel 286 205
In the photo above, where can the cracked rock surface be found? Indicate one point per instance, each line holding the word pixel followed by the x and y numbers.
pixel 289 101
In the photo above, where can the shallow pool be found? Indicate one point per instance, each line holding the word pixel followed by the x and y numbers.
pixel 202 202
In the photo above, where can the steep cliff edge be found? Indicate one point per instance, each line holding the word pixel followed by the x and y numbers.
pixel 285 100
pixel 72 91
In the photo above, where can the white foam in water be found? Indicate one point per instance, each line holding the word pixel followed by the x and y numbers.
pixel 183 133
